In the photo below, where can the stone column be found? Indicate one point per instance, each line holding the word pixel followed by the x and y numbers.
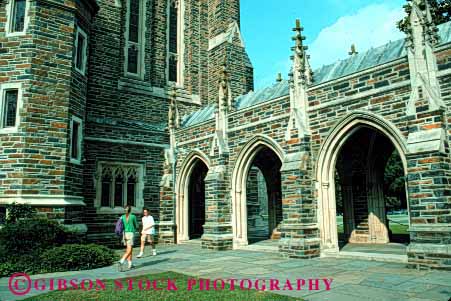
pixel 300 232
pixel 428 159
pixel 218 233
pixel 377 220
pixel 429 192
pixel 300 237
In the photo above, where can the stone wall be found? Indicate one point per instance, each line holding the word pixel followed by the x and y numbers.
pixel 381 94
pixel 36 158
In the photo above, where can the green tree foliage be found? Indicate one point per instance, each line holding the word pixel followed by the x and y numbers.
pixel 441 13
pixel 394 183
pixel 75 257
pixel 40 245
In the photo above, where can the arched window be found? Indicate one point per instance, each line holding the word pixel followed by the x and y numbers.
pixel 175 36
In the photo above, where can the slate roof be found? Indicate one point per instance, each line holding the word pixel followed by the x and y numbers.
pixel 355 63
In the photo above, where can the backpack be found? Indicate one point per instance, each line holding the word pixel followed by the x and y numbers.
pixel 119 227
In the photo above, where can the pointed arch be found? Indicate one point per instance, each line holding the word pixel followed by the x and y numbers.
pixel 325 167
pixel 182 183
pixel 239 176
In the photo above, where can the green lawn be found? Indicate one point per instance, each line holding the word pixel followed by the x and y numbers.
pixel 399 229
pixel 112 292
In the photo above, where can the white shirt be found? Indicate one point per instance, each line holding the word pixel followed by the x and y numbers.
pixel 147 222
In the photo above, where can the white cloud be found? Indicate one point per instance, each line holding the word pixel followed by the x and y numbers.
pixel 371 26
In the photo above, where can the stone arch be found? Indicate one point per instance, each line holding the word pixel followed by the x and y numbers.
pixel 325 168
pixel 239 177
pixel 182 183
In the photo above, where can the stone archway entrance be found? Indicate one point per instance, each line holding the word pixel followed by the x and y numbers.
pixel 351 169
pixel 190 207
pixel 196 200
pixel 263 197
pixel 360 173
pixel 256 193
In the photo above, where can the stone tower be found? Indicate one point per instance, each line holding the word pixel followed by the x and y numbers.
pixel 225 43
pixel 43 82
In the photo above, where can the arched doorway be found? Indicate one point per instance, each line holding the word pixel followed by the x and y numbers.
pixel 256 193
pixel 190 205
pixel 364 209
pixel 263 197
pixel 351 171
pixel 196 200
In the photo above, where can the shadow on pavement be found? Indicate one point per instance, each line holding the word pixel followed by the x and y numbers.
pixel 149 263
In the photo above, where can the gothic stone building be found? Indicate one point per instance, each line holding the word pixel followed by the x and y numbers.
pixel 151 103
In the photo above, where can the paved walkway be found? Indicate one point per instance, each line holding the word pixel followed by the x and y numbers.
pixel 352 279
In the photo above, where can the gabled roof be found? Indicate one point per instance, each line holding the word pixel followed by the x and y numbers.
pixel 253 98
pixel 355 63
pixel 204 114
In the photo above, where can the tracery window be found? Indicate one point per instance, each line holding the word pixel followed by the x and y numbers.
pixel 119 184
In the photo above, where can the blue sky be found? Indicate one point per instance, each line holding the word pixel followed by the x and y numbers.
pixel 331 26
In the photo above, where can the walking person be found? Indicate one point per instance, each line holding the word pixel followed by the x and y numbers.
pixel 147 233
pixel 130 227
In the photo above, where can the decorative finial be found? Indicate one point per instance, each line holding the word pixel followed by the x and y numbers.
pixel 300 77
pixel 353 50
pixel 299 57
pixel 298 24
pixel 279 77
pixel 420 22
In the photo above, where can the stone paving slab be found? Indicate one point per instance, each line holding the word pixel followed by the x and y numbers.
pixel 352 279
pixel 388 281
pixel 438 292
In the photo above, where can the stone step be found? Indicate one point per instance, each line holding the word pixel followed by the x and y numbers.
pixel 192 242
pixel 373 256
pixel 266 246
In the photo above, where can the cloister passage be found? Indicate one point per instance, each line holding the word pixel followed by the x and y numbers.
pixel 263 196
pixel 370 189
pixel 196 199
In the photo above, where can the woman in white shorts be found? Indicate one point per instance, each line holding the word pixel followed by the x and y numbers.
pixel 148 232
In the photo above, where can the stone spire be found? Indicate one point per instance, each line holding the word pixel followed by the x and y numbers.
pixel 420 42
pixel 223 106
pixel 301 76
